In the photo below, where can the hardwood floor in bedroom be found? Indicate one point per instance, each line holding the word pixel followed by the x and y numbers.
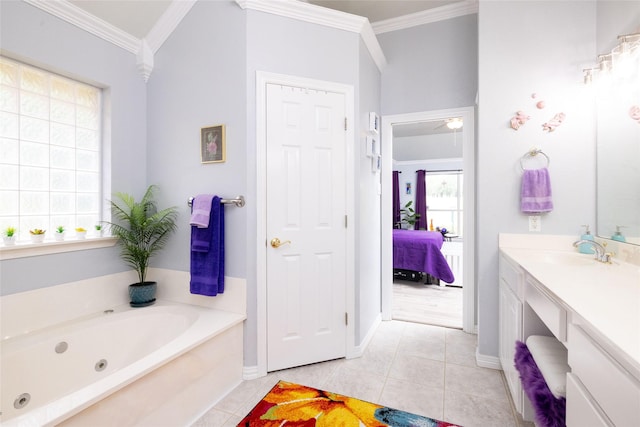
pixel 428 304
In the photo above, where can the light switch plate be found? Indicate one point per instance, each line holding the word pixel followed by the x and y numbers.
pixel 535 223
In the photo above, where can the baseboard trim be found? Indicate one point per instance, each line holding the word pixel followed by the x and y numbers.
pixel 358 350
pixel 250 373
pixel 490 362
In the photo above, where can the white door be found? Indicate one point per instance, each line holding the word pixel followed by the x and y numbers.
pixel 306 187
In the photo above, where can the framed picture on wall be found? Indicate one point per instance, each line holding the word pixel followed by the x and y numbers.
pixel 374 122
pixel 376 163
pixel 213 144
pixel 373 148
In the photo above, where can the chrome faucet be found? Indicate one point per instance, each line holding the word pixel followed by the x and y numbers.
pixel 601 255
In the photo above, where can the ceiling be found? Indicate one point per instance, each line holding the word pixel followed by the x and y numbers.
pixel 137 17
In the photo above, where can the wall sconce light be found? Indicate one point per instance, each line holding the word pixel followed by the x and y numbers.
pixel 588 75
pixel 455 123
pixel 628 46
pixel 605 63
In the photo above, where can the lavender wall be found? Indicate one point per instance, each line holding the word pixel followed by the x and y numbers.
pixel 524 48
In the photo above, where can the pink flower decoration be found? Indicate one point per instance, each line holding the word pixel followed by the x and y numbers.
pixel 634 113
pixel 552 124
pixel 518 120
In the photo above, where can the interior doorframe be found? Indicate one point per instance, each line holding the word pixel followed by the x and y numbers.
pixel 262 79
pixel 468 243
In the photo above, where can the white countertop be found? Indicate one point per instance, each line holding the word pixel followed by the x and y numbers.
pixel 605 296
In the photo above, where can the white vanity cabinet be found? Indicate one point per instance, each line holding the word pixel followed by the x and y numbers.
pixel 602 391
pixel 593 310
pixel 510 313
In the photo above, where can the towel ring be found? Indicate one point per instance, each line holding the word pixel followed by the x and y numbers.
pixel 533 153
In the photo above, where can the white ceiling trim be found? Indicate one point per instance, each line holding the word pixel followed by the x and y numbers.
pixel 429 161
pixel 322 16
pixel 168 22
pixel 429 16
pixel 88 22
pixel 144 49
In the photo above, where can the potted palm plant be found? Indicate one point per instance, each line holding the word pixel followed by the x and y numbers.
pixel 142 231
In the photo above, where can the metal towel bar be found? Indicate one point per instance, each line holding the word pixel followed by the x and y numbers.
pixel 238 201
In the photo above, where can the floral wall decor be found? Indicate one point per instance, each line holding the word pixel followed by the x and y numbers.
pixel 552 124
pixel 521 117
pixel 518 120
pixel 634 113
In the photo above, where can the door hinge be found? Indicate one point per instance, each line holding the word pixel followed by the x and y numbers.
pixel 346 318
pixel 345 221
pixel 345 123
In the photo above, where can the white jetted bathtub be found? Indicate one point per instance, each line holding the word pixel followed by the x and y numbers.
pixel 154 357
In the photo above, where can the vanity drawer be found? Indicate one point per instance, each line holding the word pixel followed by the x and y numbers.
pixel 615 391
pixel 581 410
pixel 549 311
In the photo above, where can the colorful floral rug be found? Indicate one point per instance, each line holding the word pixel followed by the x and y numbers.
pixel 289 404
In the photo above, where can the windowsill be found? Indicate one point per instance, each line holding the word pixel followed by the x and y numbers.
pixel 28 249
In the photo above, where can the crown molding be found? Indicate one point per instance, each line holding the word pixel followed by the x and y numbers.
pixel 466 7
pixel 81 19
pixel 168 22
pixel 428 161
pixel 322 16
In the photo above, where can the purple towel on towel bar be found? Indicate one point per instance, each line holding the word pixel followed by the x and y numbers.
pixel 200 210
pixel 207 253
pixel 535 195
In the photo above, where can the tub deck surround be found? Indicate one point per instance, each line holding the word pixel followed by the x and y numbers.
pixel 603 298
pixel 197 348
pixel 70 301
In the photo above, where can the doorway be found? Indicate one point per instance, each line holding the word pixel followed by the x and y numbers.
pixel 467 139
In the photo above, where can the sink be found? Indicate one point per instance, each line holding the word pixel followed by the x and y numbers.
pixel 565 258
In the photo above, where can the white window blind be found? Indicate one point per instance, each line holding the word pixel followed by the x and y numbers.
pixel 50 151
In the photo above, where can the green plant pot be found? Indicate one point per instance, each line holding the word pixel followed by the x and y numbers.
pixel 142 294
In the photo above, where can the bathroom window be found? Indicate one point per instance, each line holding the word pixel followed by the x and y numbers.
pixel 444 199
pixel 50 151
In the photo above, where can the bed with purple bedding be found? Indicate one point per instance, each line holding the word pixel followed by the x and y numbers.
pixel 419 250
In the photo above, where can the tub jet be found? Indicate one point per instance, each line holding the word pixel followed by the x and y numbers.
pixel 61 347
pixel 101 365
pixel 21 401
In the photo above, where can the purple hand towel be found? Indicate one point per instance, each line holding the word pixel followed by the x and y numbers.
pixel 207 253
pixel 535 195
pixel 200 210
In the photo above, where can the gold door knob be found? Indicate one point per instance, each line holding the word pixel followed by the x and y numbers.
pixel 276 243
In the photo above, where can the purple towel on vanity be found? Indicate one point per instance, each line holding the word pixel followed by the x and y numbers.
pixel 200 210
pixel 207 253
pixel 549 410
pixel 535 195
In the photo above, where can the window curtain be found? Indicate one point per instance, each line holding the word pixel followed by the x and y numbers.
pixel 396 199
pixel 421 201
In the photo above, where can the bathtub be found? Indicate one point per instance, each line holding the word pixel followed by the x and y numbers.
pixel 50 375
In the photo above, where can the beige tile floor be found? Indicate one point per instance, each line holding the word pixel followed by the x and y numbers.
pixel 424 369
